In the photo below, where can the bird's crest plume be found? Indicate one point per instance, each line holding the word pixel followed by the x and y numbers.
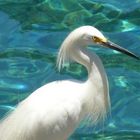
pixel 65 52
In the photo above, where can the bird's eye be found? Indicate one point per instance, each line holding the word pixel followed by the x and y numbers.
pixel 96 39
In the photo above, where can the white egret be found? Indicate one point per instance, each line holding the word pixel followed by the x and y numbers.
pixel 53 111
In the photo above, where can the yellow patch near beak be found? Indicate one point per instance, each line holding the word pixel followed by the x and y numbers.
pixel 99 40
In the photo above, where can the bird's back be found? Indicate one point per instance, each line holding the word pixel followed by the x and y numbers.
pixel 50 113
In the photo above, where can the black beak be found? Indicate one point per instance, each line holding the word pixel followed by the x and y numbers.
pixel 116 47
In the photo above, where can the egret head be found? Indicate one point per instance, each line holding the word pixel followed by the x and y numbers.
pixel 84 36
pixel 91 35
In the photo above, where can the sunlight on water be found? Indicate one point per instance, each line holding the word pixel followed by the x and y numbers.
pixel 31 34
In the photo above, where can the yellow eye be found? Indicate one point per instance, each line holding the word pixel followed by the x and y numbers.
pixel 96 39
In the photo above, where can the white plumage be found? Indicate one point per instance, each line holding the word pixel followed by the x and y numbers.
pixel 53 111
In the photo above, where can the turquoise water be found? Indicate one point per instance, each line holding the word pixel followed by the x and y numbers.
pixel 31 32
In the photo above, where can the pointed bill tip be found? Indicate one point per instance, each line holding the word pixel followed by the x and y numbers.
pixel 116 47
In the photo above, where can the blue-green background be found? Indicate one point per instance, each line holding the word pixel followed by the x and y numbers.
pixel 31 31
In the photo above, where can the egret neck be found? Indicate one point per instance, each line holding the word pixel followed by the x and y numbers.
pixel 96 77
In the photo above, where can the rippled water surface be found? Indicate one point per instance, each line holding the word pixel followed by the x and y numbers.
pixel 31 32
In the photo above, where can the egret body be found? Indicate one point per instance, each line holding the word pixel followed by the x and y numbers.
pixel 54 111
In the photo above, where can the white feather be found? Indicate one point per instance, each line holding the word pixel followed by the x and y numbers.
pixel 56 109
